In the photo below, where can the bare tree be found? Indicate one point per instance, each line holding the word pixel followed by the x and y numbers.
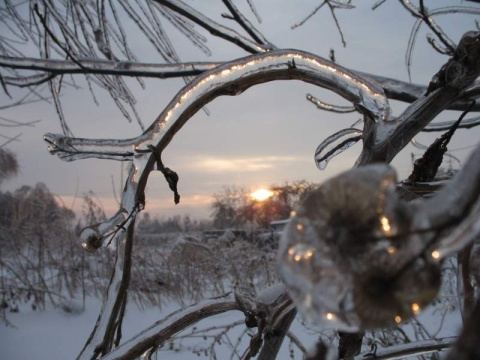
pixel 354 255
pixel 8 164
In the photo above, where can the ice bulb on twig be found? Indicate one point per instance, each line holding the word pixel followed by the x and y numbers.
pixel 348 257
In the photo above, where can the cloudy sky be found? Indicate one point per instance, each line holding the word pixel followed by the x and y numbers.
pixel 267 135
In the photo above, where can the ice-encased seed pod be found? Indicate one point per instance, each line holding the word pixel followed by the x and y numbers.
pixel 347 256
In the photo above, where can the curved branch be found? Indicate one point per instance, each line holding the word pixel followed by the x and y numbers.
pixel 329 107
pixel 336 144
pixel 232 79
pixel 229 79
pixel 164 329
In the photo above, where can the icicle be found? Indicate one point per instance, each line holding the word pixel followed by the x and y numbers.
pixel 336 144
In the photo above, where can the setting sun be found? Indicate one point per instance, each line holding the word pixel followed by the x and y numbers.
pixel 261 194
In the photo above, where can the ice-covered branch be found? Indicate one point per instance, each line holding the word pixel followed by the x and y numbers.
pixel 394 89
pixel 232 79
pixel 426 17
pixel 454 226
pixel 386 139
pixel 246 24
pixel 329 107
pixel 409 349
pixel 70 149
pixel 336 144
pixel 166 328
pixel 409 92
pixel 101 339
pixel 108 67
pixel 446 125
pixel 213 27
pixel 229 79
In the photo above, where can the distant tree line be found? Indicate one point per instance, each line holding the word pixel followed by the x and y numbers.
pixel 235 207
pixel 177 223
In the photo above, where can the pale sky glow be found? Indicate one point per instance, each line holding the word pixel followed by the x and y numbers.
pixel 267 135
pixel 233 164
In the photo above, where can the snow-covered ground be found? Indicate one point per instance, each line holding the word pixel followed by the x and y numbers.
pixel 57 334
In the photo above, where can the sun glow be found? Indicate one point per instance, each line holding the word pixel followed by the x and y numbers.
pixel 261 194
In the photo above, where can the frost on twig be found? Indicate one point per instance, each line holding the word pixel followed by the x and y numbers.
pixel 229 79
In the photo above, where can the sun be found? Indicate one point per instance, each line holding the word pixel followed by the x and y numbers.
pixel 261 194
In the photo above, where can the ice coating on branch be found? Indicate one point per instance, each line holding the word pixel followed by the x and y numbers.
pixel 230 79
pixel 166 328
pixel 336 144
pixel 235 77
pixel 348 259
pixel 455 209
pixel 465 232
pixel 71 149
pixel 329 107
pixel 268 295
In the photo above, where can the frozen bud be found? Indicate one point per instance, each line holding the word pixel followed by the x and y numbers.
pixel 347 257
pixel 91 240
pixel 94 236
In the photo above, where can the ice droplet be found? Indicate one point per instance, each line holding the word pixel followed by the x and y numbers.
pixel 91 240
pixel 346 261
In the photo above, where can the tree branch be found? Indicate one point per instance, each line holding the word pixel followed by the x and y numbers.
pixel 247 25
pixel 162 330
pixel 229 79
pixel 394 89
pixel 384 140
pixel 214 28
pixel 409 349
pixel 102 337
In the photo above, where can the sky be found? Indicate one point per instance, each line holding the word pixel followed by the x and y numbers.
pixel 265 136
